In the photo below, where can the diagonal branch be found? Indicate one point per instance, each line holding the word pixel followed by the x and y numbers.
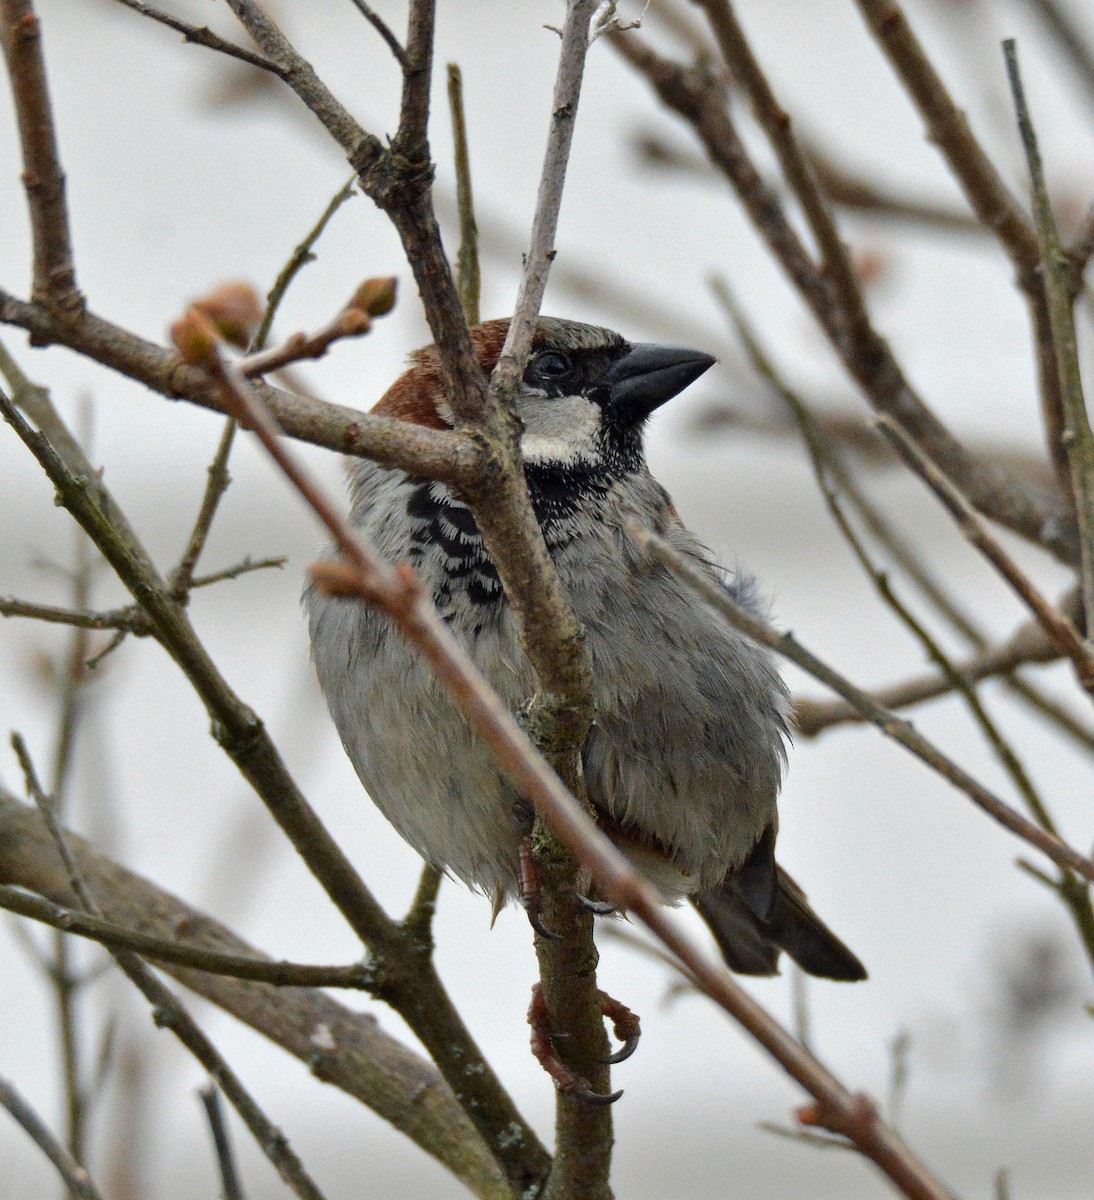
pixel 202 35
pixel 1037 515
pixel 54 268
pixel 1058 629
pixel 74 1176
pixel 398 592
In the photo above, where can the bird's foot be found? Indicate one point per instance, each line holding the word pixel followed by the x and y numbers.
pixel 530 897
pixel 624 1023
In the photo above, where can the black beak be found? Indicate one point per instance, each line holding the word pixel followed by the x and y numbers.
pixel 649 374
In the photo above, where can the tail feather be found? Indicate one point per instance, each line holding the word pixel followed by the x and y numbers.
pixel 751 946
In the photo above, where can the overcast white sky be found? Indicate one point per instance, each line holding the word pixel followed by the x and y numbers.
pixel 171 194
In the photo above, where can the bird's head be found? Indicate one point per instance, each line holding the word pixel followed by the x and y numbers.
pixel 584 398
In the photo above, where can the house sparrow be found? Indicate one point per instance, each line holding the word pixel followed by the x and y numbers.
pixel 685 757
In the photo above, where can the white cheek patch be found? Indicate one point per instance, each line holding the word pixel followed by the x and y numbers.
pixel 563 431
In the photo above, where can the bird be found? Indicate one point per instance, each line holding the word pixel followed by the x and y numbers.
pixel 684 760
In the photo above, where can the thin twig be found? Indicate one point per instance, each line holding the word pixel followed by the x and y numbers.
pixel 541 250
pixel 54 267
pixel 1059 630
pixel 1028 645
pixel 889 723
pixel 377 23
pixel 423 907
pixel 1070 38
pixel 300 257
pixel 468 281
pixel 201 35
pixel 246 567
pixel 74 1176
pixel 128 619
pixel 231 1189
pixel 181 578
pixel 397 590
pixel 169 1013
pixel 1076 436
pixel 198 958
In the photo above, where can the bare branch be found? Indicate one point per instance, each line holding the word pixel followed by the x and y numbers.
pixel 54 268
pixel 75 1177
pixel 541 251
pixel 433 453
pixel 1060 631
pixel 229 1177
pixel 1076 436
pixel 468 282
pixel 302 255
pixel 377 23
pixel 345 1048
pixel 218 482
pixel 201 35
pixel 162 950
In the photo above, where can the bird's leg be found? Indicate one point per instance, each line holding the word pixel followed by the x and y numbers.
pixel 528 872
pixel 568 1082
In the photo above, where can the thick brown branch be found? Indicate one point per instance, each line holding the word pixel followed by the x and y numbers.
pixel 54 268
pixel 428 452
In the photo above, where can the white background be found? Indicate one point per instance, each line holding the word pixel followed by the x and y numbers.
pixel 174 189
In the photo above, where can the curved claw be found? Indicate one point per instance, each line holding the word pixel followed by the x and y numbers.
pixel 624 1052
pixel 601 908
pixel 625 1025
pixel 585 1096
pixel 539 927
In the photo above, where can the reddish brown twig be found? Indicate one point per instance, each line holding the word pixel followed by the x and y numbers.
pixel 54 268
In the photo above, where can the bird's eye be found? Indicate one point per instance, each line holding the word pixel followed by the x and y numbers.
pixel 552 364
